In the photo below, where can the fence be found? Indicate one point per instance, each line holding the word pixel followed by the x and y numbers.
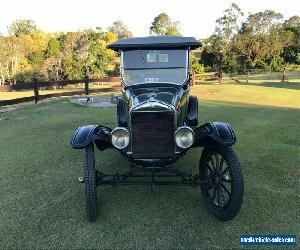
pixel 252 76
pixel 257 76
pixel 198 78
pixel 36 86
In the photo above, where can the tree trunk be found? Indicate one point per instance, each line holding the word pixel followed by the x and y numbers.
pixel 8 73
pixel 15 68
pixel 2 74
pixel 220 69
pixel 192 78
pixel 283 75
pixel 12 73
pixel 247 76
pixel 220 76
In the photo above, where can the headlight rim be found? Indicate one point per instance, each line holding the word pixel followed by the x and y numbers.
pixel 193 135
pixel 125 130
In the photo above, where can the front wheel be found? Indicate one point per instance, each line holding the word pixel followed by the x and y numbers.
pixel 220 167
pixel 90 183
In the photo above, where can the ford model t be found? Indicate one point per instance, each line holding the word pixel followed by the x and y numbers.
pixel 158 124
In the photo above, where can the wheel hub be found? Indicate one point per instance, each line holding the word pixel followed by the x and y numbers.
pixel 217 177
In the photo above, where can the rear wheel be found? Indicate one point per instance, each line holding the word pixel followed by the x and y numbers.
pixel 90 183
pixel 224 194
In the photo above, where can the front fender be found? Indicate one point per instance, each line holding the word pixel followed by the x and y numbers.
pixel 83 136
pixel 214 133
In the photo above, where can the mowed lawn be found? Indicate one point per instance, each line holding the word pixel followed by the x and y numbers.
pixel 42 204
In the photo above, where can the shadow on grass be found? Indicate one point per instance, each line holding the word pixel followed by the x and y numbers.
pixel 282 85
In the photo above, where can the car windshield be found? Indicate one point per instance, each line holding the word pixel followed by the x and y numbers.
pixel 154 66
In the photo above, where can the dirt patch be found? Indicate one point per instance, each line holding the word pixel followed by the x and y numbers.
pixel 95 101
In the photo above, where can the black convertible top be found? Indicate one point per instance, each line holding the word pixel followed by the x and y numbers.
pixel 155 42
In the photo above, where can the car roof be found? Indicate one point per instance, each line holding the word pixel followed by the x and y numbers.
pixel 155 42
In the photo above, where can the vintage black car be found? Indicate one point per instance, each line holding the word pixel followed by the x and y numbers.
pixel 158 124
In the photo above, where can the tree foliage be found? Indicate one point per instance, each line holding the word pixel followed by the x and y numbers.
pixel 220 44
pixel 261 40
pixel 22 27
pixel 120 30
pixel 28 52
pixel 239 43
pixel 196 66
pixel 291 53
pixel 163 26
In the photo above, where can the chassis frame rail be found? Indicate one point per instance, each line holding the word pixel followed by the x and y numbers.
pixel 127 178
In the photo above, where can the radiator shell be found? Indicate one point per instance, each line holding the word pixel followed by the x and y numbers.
pixel 152 134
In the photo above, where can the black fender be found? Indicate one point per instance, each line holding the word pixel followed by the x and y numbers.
pixel 214 133
pixel 121 116
pixel 83 136
pixel 192 111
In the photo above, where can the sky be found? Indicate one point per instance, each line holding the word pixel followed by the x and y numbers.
pixel 196 17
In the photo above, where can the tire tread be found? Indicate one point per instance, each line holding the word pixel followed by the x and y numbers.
pixel 90 183
pixel 237 191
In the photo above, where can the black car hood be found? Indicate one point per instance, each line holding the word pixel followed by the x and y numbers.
pixel 161 94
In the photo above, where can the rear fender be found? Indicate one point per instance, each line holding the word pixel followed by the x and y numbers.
pixel 83 136
pixel 214 133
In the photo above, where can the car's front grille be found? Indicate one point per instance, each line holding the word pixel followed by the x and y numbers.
pixel 152 134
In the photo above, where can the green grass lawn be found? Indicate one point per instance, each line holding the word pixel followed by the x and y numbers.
pixel 42 204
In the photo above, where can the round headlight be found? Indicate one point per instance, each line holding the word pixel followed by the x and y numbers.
pixel 184 137
pixel 120 138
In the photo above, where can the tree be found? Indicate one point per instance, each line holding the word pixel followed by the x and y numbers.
pixel 22 26
pixel 12 57
pixel 120 29
pixel 173 30
pixel 84 53
pixel 52 69
pixel 229 24
pixel 38 43
pixel 109 37
pixel 163 26
pixel 291 53
pixel 262 37
pixel 196 66
pixel 40 40
pixel 3 59
pixel 53 48
pixel 293 22
pixel 221 42
pixel 28 52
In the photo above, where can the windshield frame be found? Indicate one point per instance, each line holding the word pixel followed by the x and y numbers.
pixel 145 83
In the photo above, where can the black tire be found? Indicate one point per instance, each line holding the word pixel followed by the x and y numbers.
pixel 219 182
pixel 90 183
